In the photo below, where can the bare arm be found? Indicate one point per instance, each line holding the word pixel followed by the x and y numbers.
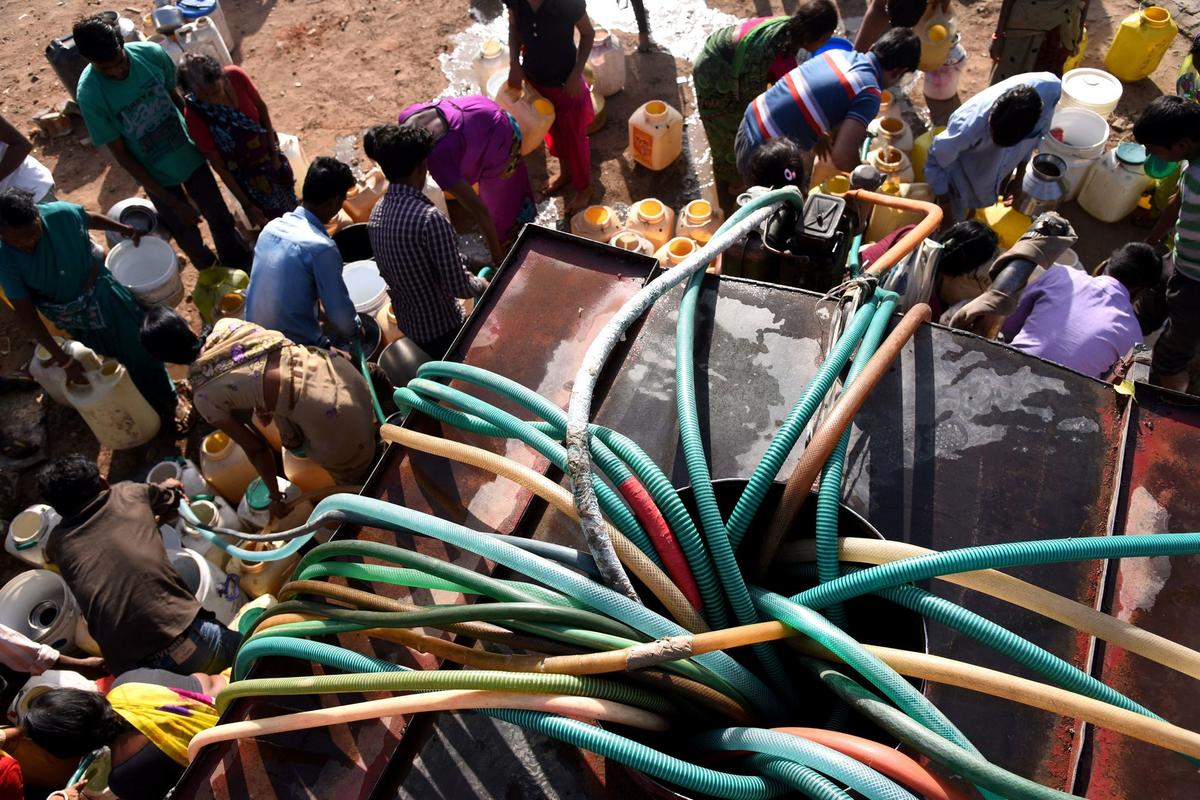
pixel 257 449
pixel 515 73
pixel 31 323
pixel 99 222
pixel 587 37
pixel 18 148
pixel 1166 221
pixel 847 145
pixel 466 195
pixel 253 212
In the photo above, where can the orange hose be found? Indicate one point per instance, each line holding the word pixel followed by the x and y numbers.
pixel 909 241
pixel 887 760
pixel 826 437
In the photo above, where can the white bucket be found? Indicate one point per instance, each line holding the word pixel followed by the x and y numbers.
pixel 150 270
pixel 38 605
pixel 366 286
pixel 1084 135
pixel 211 515
pixel 216 591
pixel 40 684
pixel 28 533
pixel 182 470
pixel 1092 89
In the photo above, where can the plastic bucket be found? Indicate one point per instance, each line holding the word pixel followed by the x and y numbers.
pixel 150 270
pixel 40 684
pixel 1084 134
pixel 214 590
pixel 28 533
pixel 366 286
pixel 1093 89
pixel 182 470
pixel 38 605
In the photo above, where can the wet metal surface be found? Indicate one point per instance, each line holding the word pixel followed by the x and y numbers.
pixel 1157 495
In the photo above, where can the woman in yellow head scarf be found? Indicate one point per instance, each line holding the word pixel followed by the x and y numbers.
pixel 146 727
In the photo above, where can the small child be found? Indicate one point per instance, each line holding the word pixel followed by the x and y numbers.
pixel 778 163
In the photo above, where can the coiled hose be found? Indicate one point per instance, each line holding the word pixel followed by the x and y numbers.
pixel 659 584
pixel 855 774
pixel 392 517
pixel 807 782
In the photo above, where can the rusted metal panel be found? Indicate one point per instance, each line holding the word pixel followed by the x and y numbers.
pixel 1157 495
pixel 543 308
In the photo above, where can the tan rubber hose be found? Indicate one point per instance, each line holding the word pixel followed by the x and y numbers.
pixel 1020 593
pixel 949 672
pixel 449 700
pixel 634 559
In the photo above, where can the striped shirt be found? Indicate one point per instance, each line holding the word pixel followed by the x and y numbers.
pixel 1187 230
pixel 816 97
pixel 417 253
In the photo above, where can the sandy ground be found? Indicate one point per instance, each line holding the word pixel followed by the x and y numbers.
pixel 331 70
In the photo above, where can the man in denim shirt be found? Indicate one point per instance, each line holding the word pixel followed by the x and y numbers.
pixel 296 264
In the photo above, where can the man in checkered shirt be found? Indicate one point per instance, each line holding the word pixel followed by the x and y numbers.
pixel 415 245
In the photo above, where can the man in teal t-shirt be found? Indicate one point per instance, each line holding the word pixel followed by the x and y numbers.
pixel 47 264
pixel 129 102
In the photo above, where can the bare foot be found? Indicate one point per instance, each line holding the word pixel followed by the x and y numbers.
pixel 554 185
pixel 578 200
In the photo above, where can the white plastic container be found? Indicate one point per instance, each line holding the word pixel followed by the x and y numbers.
pixel 210 516
pixel 1093 89
pixel 216 591
pixel 366 286
pixel 894 164
pixel 182 470
pixel 170 46
pixel 150 270
pixel 608 63
pixel 491 58
pixel 215 510
pixel 28 533
pixel 203 37
pixel 52 377
pixel 37 685
pixel 38 605
pixel 675 251
pixel 255 509
pixel 653 219
pixel 361 199
pixel 225 465
pixel 113 408
pixel 942 83
pixel 194 10
pixel 534 114
pixel 1084 133
pixel 291 149
pixel 598 223
pixel 436 195
pixel 263 577
pixel 1115 183
pixel 698 220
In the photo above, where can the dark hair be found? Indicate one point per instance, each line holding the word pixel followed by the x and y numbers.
pixel 965 246
pixel 777 163
pixel 1015 115
pixel 165 335
pixel 17 208
pixel 1136 265
pixel 70 723
pixel 198 71
pixel 69 483
pixel 905 13
pixel 813 19
pixel 326 180
pixel 899 49
pixel 97 39
pixel 398 149
pixel 1167 121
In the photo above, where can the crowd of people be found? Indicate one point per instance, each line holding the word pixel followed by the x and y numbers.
pixel 773 97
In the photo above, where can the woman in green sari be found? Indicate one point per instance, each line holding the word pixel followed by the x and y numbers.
pixel 737 63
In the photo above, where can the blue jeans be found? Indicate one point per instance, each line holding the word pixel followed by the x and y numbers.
pixel 206 646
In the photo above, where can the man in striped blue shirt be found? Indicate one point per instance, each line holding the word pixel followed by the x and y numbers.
pixel 1170 129
pixel 836 91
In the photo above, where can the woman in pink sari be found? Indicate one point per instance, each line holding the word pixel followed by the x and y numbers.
pixel 541 41
pixel 478 142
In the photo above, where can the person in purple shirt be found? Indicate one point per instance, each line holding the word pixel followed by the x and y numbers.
pixel 1082 321
pixel 475 141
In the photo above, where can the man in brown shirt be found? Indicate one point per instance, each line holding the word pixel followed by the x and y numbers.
pixel 111 554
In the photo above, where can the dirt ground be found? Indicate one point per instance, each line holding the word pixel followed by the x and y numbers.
pixel 327 70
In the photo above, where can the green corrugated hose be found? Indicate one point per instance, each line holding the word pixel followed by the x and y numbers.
pixel 858 776
pixel 807 782
pixel 829 498
pixel 715 535
pixel 962 762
